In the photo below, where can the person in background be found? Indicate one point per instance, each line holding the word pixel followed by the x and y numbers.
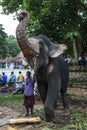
pixel 12 78
pixel 65 58
pixel 20 77
pixel 86 59
pixel 79 61
pixel 29 94
pixel 1 81
pixel 69 59
pixel 4 79
pixel 83 59
pixel 20 80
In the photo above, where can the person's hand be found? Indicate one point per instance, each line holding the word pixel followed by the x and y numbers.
pixel 34 77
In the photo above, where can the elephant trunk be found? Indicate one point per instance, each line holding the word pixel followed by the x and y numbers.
pixel 23 42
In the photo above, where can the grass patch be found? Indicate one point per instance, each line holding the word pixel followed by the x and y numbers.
pixel 12 99
pixel 78 121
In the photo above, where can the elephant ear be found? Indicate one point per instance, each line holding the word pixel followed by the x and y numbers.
pixel 37 43
pixel 55 50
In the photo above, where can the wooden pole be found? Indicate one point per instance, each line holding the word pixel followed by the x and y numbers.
pixel 25 120
pixel 21 121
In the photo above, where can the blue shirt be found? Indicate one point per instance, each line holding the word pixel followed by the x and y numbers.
pixel 4 79
pixel 13 78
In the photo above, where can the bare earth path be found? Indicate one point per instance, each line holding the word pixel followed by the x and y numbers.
pixel 77 101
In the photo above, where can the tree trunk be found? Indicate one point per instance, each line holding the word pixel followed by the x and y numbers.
pixel 75 50
pixel 78 47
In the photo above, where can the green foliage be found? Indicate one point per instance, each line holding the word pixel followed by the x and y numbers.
pixel 79 118
pixel 73 35
pixel 8 44
pixel 54 18
pixel 13 46
pixel 11 99
pixel 37 112
pixel 78 121
pixel 9 6
pixel 3 43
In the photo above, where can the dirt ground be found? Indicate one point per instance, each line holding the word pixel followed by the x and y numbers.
pixel 77 100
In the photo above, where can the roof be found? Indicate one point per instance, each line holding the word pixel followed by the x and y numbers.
pixel 7 59
pixel 19 57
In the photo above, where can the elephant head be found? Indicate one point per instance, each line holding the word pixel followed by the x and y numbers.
pixel 36 47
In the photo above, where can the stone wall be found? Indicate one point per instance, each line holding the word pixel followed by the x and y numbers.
pixel 77 81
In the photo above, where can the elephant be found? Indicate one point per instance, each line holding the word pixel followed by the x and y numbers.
pixel 50 68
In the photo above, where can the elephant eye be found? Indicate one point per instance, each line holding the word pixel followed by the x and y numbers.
pixel 41 44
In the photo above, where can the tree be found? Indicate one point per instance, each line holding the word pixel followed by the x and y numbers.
pixel 3 43
pixel 55 19
pixel 8 44
pixel 73 36
pixel 13 46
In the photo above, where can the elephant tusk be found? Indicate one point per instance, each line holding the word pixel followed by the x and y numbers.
pixel 35 62
pixel 36 55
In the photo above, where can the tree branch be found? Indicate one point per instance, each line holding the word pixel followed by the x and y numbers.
pixel 85 7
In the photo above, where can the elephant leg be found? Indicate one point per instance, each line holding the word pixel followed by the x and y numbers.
pixel 64 99
pixel 43 94
pixel 50 100
pixel 42 91
pixel 55 105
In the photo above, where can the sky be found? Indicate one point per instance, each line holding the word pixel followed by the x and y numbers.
pixel 9 24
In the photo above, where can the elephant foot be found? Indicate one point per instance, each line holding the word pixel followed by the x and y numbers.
pixel 66 108
pixel 42 117
pixel 49 115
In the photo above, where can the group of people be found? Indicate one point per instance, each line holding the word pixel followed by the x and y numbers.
pixel 82 60
pixel 12 79
pixel 28 88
